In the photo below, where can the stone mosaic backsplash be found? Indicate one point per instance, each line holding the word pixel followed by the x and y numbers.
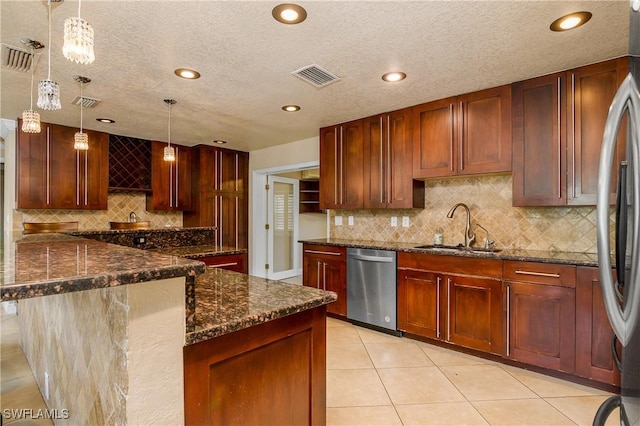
pixel 118 208
pixel 570 229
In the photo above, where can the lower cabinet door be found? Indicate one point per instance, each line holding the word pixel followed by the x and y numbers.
pixel 475 314
pixel 420 296
pixel 594 336
pixel 334 278
pixel 542 325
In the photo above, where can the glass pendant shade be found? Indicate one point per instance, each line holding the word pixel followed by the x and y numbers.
pixel 81 141
pixel 78 41
pixel 169 154
pixel 30 121
pixel 49 95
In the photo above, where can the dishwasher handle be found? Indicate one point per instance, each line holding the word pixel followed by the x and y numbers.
pixel 366 258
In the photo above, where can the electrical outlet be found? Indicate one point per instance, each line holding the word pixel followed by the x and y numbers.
pixel 405 221
pixel 139 240
pixel 394 221
pixel 350 220
pixel 338 220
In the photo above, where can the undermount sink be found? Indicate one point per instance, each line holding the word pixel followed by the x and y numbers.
pixel 457 248
pixel 130 225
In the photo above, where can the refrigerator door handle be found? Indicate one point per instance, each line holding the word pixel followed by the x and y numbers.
pixel 614 353
pixel 624 319
pixel 621 223
pixel 605 410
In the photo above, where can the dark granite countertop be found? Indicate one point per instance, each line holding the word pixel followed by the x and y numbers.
pixel 567 258
pixel 228 301
pixel 194 252
pixel 46 264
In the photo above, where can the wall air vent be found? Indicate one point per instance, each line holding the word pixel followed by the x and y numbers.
pixel 18 59
pixel 316 75
pixel 86 101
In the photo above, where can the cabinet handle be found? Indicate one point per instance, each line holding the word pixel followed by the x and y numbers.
pixel 559 142
pixel 448 309
pixel 222 242
pixel 170 185
pixel 341 165
pixel 215 220
pixel 236 223
pixel 324 276
pixel 236 173
pixel 451 131
pixel 508 319
pixel 573 134
pixel 77 178
pixel 538 274
pixel 48 166
pixel 177 176
pixel 332 253
pixel 381 166
pixel 318 276
pixel 438 307
pixel 220 265
pixel 86 179
pixel 335 168
pixel 461 137
pixel 389 195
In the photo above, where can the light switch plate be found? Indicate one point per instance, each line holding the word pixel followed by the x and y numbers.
pixel 394 221
pixel 405 221
pixel 338 220
pixel 350 220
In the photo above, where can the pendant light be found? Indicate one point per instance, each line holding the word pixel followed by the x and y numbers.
pixel 169 152
pixel 81 140
pixel 78 39
pixel 30 117
pixel 48 90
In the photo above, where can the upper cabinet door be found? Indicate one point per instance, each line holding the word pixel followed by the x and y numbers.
pixel 329 159
pixel 590 94
pixel 484 138
pixel 435 133
pixel 170 180
pixel 95 175
pixel 182 182
pixel 375 161
pixel 32 168
pixel 402 191
pixel 539 143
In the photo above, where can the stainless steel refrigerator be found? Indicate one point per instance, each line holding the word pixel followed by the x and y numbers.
pixel 622 294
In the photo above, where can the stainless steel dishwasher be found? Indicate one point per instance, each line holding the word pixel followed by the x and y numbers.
pixel 371 287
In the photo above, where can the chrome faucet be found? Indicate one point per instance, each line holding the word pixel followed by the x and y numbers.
pixel 133 217
pixel 487 241
pixel 469 235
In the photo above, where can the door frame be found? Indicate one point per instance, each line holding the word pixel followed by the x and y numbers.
pixel 271 233
pixel 259 199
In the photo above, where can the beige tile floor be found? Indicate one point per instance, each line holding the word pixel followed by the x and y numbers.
pixel 377 379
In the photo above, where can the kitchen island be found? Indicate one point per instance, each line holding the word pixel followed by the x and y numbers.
pixel 104 327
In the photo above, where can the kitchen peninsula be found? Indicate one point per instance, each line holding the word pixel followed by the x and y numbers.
pixel 104 330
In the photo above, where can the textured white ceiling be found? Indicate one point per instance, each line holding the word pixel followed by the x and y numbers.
pixel 246 59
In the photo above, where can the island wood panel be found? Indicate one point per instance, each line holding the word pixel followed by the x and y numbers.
pixel 272 373
pixel 594 335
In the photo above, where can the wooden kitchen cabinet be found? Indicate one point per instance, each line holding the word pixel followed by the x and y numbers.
pixel 220 191
pixel 236 262
pixel 541 314
pixel 51 174
pixel 558 123
pixel 458 302
pixel 170 180
pixel 341 166
pixel 325 267
pixel 594 336
pixel 388 154
pixel 464 135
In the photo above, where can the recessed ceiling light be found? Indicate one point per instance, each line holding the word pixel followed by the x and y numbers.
pixel 219 142
pixel 289 13
pixel 394 76
pixel 105 120
pixel 291 108
pixel 570 21
pixel 187 73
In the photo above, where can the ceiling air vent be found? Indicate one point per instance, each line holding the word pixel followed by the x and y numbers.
pixel 316 75
pixel 86 101
pixel 17 59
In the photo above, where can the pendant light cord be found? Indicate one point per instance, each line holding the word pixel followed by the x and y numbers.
pixel 32 67
pixel 81 102
pixel 79 3
pixel 49 70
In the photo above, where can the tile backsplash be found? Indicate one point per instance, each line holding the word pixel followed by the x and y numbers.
pixel 571 229
pixel 118 209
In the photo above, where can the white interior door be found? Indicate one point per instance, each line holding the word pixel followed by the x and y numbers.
pixel 282 217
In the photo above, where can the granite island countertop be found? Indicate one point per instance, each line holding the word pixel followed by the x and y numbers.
pixel 567 258
pixel 228 301
pixel 195 252
pixel 46 264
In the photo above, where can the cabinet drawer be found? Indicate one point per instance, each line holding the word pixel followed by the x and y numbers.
pixel 231 262
pixel 540 273
pixel 489 268
pixel 325 252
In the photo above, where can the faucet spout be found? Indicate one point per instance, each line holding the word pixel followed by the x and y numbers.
pixel 469 235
